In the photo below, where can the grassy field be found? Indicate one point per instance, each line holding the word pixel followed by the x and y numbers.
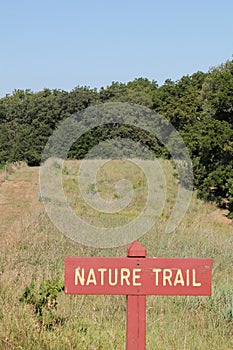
pixel 33 250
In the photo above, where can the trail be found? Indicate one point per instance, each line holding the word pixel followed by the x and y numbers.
pixel 18 197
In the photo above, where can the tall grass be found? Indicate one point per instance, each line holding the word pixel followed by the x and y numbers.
pixel 36 251
pixel 7 169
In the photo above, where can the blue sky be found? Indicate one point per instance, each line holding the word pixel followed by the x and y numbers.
pixel 63 44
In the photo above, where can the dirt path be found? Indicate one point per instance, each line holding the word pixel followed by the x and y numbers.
pixel 18 197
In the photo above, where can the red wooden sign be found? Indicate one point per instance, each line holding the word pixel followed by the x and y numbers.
pixel 137 276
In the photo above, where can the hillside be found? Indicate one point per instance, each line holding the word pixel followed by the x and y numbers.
pixel 199 106
pixel 33 249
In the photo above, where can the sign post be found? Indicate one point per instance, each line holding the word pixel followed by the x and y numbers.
pixel 137 276
pixel 136 309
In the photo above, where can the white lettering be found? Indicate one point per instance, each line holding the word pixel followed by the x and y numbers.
pixel 195 284
pixel 179 278
pixel 91 277
pixel 136 277
pixel 167 275
pixel 110 278
pixel 79 278
pixel 125 273
pixel 102 271
pixel 157 276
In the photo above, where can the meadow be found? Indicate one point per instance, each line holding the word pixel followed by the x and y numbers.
pixel 35 313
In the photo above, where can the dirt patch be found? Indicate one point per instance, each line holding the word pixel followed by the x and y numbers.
pixel 220 216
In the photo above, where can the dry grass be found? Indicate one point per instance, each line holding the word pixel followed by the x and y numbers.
pixel 9 169
pixel 32 248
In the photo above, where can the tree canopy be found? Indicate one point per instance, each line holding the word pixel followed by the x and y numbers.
pixel 200 106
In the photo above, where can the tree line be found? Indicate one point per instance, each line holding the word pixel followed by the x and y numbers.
pixel 200 106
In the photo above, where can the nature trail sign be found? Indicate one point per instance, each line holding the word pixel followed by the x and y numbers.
pixel 137 276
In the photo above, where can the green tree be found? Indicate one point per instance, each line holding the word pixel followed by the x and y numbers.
pixel 217 93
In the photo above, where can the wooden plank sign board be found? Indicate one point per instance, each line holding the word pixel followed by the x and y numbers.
pixel 137 276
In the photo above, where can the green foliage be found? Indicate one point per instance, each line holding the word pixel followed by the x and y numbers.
pixel 210 149
pixel 140 91
pixel 179 101
pixel 27 120
pixel 200 106
pixel 44 300
pixel 217 92
pixel 117 132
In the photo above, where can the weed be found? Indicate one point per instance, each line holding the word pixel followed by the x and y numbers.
pixel 44 300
